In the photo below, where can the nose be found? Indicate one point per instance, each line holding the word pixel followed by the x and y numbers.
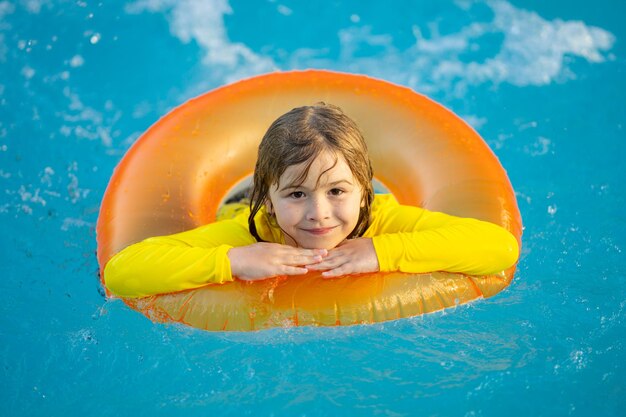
pixel 319 209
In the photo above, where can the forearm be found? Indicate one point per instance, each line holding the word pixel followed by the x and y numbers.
pixel 155 267
pixel 468 246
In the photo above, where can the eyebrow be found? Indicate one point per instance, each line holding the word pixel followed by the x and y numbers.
pixel 331 184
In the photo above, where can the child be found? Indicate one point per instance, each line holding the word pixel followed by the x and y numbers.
pixel 312 208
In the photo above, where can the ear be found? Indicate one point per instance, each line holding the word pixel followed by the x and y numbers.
pixel 269 207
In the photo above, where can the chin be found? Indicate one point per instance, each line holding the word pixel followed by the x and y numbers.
pixel 318 245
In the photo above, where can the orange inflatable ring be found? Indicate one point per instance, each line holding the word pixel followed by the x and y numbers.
pixel 177 174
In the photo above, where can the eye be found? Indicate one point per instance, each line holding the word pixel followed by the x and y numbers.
pixel 296 194
pixel 336 191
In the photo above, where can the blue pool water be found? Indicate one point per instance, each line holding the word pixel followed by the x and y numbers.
pixel 543 82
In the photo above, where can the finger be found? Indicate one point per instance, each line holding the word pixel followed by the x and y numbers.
pixel 327 264
pixel 298 256
pixel 293 270
pixel 302 260
pixel 305 252
pixel 336 272
pixel 335 255
pixel 321 252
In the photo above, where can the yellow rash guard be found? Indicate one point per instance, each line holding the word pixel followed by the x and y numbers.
pixel 408 239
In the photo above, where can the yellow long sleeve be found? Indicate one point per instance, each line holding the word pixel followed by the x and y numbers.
pixel 411 239
pixel 177 262
pixel 407 239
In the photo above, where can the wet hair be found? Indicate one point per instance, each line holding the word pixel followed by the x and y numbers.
pixel 299 136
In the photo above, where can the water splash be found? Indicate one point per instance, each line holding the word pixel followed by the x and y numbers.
pixel 532 50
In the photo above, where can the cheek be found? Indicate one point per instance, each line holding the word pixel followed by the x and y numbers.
pixel 286 214
pixel 352 210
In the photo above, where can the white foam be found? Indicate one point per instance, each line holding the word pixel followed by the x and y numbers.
pixel 70 222
pixel 284 10
pixel 95 38
pixel 6 8
pixel 31 196
pixel 28 72
pixel 75 193
pixel 541 146
pixel 77 61
pixel 34 6
pixel 85 122
pixel 203 22
pixel 3 49
pixel 46 176
pixel 533 50
pixel 140 6
pixel 475 121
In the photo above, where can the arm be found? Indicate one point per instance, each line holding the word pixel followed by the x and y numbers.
pixel 411 239
pixel 177 262
pixel 211 254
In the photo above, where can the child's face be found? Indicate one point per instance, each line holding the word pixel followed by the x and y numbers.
pixel 322 211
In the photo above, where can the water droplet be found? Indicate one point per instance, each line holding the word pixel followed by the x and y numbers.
pixel 77 61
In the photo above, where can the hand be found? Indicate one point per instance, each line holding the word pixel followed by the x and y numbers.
pixel 265 260
pixel 355 256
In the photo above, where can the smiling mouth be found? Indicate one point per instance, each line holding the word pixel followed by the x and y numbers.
pixel 320 231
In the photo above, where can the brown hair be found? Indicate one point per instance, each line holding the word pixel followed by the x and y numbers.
pixel 299 136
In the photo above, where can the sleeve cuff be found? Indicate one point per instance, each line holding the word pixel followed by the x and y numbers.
pixel 382 243
pixel 225 273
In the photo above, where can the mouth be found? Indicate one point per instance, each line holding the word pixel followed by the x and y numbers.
pixel 319 231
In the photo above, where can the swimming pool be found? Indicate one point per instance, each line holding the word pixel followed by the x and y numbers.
pixel 542 83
